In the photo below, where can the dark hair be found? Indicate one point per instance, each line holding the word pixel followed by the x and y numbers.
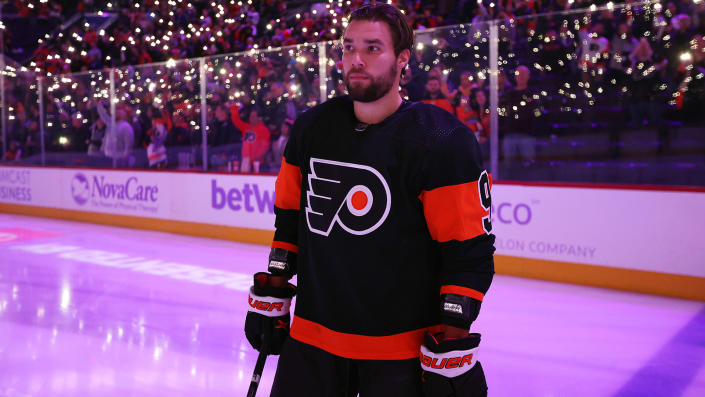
pixel 402 34
pixel 473 100
pixel 246 110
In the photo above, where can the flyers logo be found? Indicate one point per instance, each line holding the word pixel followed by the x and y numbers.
pixel 354 196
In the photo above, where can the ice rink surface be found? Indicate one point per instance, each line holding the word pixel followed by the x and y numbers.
pixel 89 310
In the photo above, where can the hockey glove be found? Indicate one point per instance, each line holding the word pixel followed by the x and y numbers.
pixel 450 367
pixel 268 313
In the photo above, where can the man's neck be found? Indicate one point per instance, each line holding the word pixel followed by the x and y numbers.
pixel 375 112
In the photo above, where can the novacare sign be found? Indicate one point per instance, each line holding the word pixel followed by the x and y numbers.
pixel 119 192
pixel 114 192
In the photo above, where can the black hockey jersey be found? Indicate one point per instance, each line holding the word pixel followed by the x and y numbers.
pixel 384 221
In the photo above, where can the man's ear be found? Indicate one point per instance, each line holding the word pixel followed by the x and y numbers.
pixel 403 58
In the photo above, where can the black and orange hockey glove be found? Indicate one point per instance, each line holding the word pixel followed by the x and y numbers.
pixel 268 313
pixel 450 367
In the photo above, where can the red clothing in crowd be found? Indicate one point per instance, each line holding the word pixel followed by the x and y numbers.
pixel 90 37
pixel 479 125
pixel 255 139
pixel 441 103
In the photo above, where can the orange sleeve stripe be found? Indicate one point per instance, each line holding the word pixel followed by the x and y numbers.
pixel 287 246
pixel 360 347
pixel 469 292
pixel 288 187
pixel 454 212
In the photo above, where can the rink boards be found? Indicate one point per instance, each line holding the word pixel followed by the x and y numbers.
pixel 626 238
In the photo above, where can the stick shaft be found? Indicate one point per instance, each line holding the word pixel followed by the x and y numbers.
pixel 257 374
pixel 259 366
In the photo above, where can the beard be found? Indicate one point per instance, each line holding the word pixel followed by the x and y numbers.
pixel 376 88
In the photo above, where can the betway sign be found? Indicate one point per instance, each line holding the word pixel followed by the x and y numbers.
pixel 248 197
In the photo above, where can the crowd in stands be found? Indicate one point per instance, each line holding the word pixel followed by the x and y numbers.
pixel 633 67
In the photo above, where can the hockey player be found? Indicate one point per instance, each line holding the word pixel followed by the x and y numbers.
pixel 383 211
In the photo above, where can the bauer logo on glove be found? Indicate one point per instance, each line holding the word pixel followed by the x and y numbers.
pixel 268 305
pixel 449 361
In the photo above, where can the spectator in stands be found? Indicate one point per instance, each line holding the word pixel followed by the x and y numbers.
pixel 79 134
pixel 477 117
pixel 276 152
pixel 644 86
pixel 156 150
pixel 95 142
pixel 594 52
pixel 621 46
pixel 14 152
pixel 255 140
pixel 461 95
pixel 411 84
pixel 118 142
pixel 646 104
pixel 224 139
pixel 179 142
pixel 434 96
pixel 31 146
pixel 690 82
pixel 520 108
pixel 17 128
pixel 277 107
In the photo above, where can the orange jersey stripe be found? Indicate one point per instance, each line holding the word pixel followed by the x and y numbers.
pixel 469 292
pixel 288 187
pixel 287 246
pixel 454 212
pixel 392 347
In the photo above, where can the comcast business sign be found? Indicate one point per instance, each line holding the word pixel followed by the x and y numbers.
pixel 124 193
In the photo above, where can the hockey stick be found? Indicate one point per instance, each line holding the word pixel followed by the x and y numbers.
pixel 259 366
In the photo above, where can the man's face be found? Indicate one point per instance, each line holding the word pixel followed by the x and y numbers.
pixel 369 64
pixel 254 118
